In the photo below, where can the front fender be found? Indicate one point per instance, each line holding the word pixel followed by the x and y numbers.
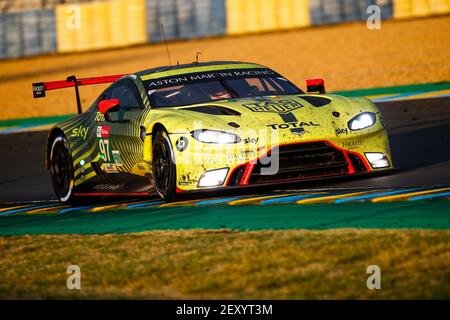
pixel 177 123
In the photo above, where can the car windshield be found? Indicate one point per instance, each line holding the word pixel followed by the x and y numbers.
pixel 162 94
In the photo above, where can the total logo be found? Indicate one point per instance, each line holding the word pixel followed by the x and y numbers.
pixel 103 132
pixel 293 125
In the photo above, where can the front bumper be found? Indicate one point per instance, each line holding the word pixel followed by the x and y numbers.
pixel 297 161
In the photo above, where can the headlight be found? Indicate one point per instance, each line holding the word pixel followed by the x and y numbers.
pixel 213 136
pixel 213 178
pixel 377 160
pixel 362 121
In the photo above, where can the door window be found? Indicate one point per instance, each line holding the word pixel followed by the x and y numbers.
pixel 127 94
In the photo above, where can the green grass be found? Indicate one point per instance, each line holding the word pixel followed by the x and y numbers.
pixel 222 264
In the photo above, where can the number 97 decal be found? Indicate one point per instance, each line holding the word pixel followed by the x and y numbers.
pixel 104 150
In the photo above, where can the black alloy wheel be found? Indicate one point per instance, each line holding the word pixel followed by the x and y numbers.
pixel 163 165
pixel 61 169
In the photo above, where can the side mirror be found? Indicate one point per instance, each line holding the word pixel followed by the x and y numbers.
pixel 104 106
pixel 111 105
pixel 315 85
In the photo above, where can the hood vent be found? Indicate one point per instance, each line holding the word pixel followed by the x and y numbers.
pixel 316 101
pixel 215 110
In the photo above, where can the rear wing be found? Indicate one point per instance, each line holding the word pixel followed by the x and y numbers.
pixel 40 88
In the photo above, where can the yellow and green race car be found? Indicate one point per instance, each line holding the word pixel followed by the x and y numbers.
pixel 204 126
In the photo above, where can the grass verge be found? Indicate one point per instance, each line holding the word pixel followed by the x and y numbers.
pixel 223 264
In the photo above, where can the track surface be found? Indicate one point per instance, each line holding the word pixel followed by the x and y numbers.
pixel 418 130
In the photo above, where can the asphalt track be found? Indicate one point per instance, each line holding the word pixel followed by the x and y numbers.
pixel 420 143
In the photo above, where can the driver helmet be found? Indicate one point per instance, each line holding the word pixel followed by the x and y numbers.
pixel 220 94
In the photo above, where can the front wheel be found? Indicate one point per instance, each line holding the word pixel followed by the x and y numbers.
pixel 61 169
pixel 163 165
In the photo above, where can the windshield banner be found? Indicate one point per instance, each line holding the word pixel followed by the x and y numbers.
pixel 208 76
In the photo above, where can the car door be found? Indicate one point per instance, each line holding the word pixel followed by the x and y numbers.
pixel 119 134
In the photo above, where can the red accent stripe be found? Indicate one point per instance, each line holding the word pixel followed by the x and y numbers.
pixel 247 173
pixel 230 174
pixel 251 164
pixel 108 194
pixel 60 84
pixel 351 168
pixel 178 190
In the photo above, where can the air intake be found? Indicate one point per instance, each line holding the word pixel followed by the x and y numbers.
pixel 214 110
pixel 316 101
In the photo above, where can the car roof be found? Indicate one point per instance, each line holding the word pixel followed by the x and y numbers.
pixel 167 71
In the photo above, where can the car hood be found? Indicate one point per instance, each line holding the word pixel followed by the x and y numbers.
pixel 311 116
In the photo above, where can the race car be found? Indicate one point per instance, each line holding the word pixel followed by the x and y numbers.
pixel 207 126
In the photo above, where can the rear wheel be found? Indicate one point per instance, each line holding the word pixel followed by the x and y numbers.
pixel 163 165
pixel 61 169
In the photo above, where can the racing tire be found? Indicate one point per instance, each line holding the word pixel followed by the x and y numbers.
pixel 61 169
pixel 163 165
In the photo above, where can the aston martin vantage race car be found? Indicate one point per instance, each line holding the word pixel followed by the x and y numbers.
pixel 204 126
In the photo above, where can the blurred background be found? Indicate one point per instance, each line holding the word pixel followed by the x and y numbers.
pixel 43 40
pixel 30 27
